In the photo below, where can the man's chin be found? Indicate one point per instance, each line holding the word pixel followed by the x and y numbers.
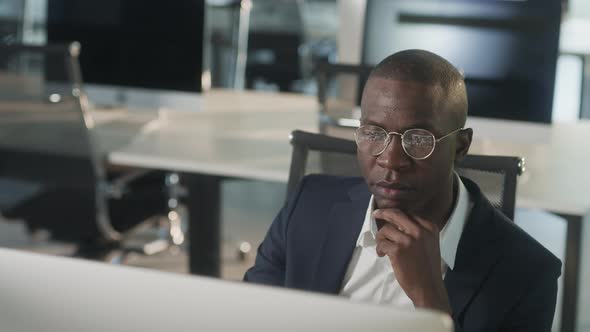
pixel 400 204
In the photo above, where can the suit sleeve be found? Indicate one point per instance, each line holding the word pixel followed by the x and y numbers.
pixel 536 308
pixel 269 267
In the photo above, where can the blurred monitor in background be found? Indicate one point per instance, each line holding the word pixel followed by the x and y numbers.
pixel 134 52
pixel 274 39
pixel 507 50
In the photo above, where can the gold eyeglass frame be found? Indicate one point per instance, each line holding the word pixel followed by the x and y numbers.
pixel 401 135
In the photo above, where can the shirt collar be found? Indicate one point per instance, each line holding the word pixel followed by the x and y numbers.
pixel 451 232
pixel 369 230
pixel 449 235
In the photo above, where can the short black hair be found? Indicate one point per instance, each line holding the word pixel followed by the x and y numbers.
pixel 428 68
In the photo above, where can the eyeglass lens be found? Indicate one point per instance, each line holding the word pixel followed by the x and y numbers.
pixel 417 143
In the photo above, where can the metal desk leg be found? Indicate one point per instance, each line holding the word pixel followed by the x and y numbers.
pixel 204 207
pixel 569 309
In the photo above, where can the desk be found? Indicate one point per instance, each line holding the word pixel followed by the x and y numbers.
pixel 245 135
pixel 235 135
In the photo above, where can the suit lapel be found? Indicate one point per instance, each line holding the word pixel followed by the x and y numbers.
pixel 477 254
pixel 342 229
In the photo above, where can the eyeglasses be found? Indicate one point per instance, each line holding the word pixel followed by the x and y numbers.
pixel 417 143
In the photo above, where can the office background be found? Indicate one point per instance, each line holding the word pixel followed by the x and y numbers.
pixel 273 46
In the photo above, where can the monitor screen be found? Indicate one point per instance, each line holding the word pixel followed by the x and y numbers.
pixel 507 50
pixel 47 293
pixel 133 43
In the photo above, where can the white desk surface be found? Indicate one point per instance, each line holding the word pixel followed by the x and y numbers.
pixel 247 135
pixel 243 134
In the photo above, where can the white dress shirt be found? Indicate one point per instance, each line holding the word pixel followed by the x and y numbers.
pixel 370 278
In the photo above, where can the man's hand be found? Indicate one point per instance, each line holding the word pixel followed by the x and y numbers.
pixel 412 246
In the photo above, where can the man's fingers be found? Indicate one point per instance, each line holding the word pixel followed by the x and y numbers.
pixel 386 248
pixel 429 225
pixel 391 233
pixel 412 225
pixel 398 218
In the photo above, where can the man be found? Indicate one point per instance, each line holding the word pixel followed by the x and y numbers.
pixel 412 234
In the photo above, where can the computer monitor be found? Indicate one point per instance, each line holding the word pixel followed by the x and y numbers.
pixel 134 52
pixel 507 50
pixel 46 293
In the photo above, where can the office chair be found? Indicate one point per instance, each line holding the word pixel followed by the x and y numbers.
pixel 317 153
pixel 496 176
pixel 52 162
pixel 339 95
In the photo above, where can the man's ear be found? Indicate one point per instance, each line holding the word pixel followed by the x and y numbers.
pixel 464 138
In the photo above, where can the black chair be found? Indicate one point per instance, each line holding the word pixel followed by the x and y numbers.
pixel 496 176
pixel 51 161
pixel 318 153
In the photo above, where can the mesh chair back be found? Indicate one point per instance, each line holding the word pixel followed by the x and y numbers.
pixel 318 153
pixel 496 176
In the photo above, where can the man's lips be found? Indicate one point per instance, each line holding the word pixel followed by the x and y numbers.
pixel 392 190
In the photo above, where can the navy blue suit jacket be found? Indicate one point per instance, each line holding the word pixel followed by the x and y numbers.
pixel 503 280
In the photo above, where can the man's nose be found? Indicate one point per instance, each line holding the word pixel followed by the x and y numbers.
pixel 394 157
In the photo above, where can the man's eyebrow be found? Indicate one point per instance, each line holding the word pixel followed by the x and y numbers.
pixel 425 126
pixel 365 121
pixel 418 125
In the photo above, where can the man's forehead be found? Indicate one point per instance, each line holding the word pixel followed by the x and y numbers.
pixel 400 95
pixel 401 119
pixel 386 89
pixel 383 97
pixel 405 103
